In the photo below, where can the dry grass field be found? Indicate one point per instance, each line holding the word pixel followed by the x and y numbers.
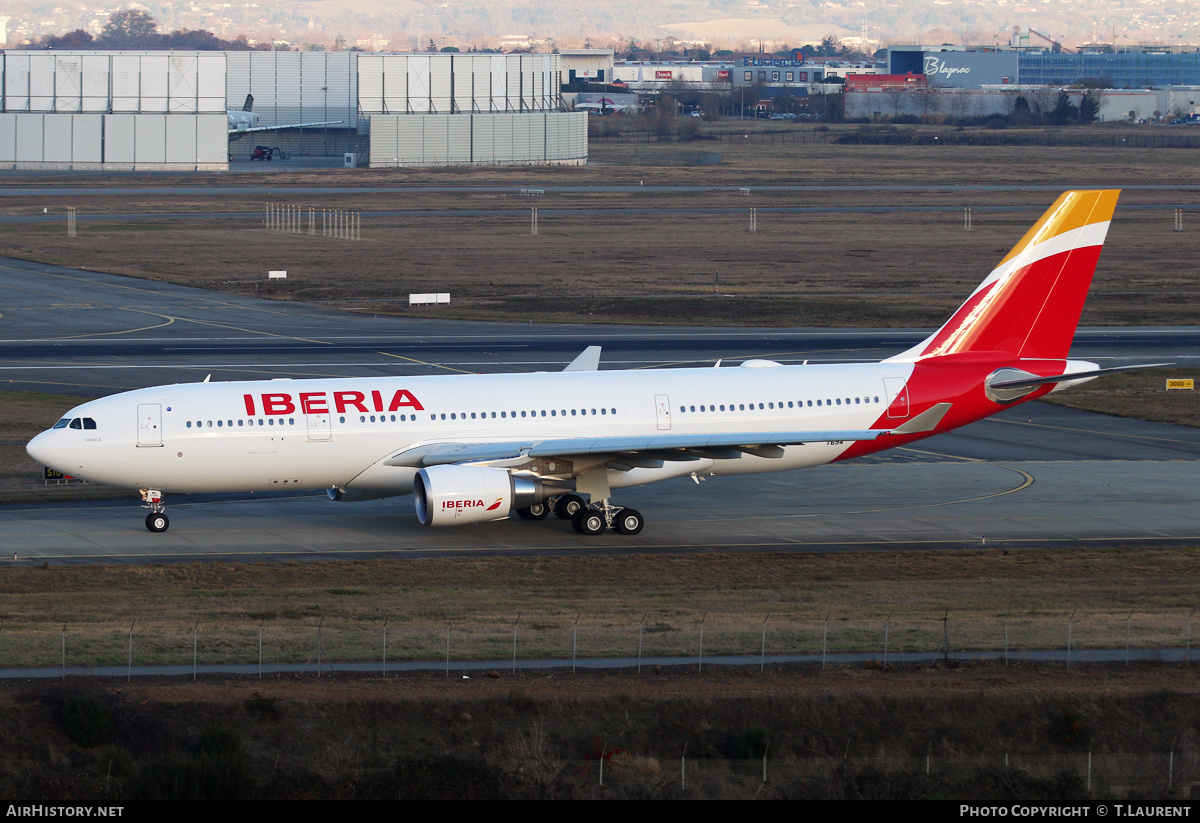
pixel 1031 594
pixel 646 256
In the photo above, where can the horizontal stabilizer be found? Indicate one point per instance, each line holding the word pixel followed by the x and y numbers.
pixel 1079 375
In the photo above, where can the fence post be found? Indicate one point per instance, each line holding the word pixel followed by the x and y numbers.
pixel 574 642
pixel 260 633
pixel 447 648
pixel 1070 621
pixel 887 630
pixel 195 647
pixel 64 650
pixel 1187 660
pixel 1128 624
pixel 129 661
pixel 514 660
pixel 320 639
pixel 385 647
pixel 683 769
pixel 825 637
pixel 762 660
pixel 702 619
pixel 641 629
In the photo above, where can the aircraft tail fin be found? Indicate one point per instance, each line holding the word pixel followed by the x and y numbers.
pixel 249 104
pixel 1029 306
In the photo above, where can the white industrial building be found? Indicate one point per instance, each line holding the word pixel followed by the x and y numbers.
pixel 168 110
pixel 113 110
pixel 465 109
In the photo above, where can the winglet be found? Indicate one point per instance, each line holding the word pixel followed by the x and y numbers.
pixel 588 360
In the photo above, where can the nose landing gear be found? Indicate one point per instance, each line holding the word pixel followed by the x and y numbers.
pixel 156 520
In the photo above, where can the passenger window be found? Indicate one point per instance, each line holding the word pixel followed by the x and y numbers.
pixel 189 424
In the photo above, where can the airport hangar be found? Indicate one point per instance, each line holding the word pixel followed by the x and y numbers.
pixel 167 111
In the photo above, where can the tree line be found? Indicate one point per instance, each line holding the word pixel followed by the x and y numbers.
pixel 136 29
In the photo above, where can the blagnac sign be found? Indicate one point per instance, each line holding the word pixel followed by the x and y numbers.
pixel 934 66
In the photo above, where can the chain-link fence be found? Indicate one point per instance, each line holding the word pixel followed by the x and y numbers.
pixel 319 644
pixel 617 774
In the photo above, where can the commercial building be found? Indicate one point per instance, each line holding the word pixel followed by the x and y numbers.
pixel 169 110
pixel 113 110
pixel 980 67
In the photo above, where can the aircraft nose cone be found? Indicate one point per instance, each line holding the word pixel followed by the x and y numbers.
pixel 41 450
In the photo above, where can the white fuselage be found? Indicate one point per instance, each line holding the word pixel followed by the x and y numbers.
pixel 241 120
pixel 340 433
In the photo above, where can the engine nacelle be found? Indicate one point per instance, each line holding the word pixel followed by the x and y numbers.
pixel 459 495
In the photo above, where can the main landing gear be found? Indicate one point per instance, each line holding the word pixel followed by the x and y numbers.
pixel 156 520
pixel 594 520
pixel 587 519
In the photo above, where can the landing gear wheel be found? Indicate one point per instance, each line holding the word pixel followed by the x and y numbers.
pixel 568 506
pixel 157 522
pixel 589 522
pixel 629 521
pixel 538 511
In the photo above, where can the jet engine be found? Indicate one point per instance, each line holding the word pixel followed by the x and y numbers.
pixel 458 495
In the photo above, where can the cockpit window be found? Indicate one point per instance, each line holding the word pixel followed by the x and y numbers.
pixel 89 423
pixel 77 423
pixel 62 424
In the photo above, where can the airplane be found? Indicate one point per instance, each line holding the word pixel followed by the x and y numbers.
pixel 476 448
pixel 245 121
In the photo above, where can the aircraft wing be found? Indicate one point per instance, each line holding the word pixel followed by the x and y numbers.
pixel 289 126
pixel 661 447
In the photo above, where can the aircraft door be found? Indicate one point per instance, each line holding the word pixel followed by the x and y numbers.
pixel 662 405
pixel 318 427
pixel 149 424
pixel 896 390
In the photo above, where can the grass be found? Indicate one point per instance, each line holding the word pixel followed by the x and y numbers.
pixel 639 259
pixel 1032 593
pixel 22 416
pixel 1141 395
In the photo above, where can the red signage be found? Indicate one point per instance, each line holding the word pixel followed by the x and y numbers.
pixel 317 402
pixel 663 75
pixel 724 74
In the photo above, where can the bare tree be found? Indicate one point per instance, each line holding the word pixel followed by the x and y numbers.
pixel 927 99
pixel 960 103
pixel 896 97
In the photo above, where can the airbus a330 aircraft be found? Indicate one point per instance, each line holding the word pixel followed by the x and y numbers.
pixel 474 448
pixel 244 121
